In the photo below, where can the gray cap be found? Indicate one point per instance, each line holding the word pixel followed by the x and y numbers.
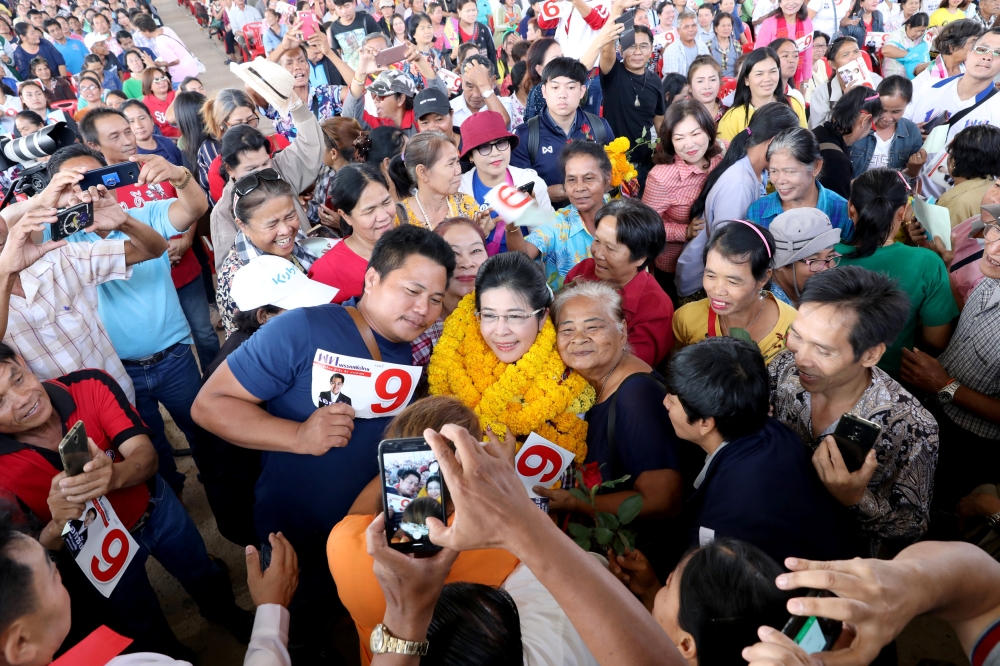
pixel 801 232
pixel 392 81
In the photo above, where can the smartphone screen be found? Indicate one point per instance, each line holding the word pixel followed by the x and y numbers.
pixel 71 220
pixel 813 634
pixel 810 638
pixel 412 491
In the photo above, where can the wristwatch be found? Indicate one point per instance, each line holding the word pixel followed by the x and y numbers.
pixel 994 520
pixel 487 94
pixel 947 394
pixel 382 641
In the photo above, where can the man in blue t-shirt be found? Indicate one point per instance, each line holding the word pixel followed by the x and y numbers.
pixel 758 483
pixel 317 460
pixel 72 50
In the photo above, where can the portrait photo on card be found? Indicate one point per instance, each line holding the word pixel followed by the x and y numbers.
pixel 373 388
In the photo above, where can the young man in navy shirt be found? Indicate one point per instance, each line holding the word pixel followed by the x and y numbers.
pixel 317 461
pixel 758 483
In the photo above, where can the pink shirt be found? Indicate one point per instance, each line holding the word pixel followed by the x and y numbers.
pixel 172 50
pixel 770 30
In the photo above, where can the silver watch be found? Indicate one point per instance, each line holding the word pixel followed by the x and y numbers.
pixel 382 641
pixel 487 94
pixel 947 394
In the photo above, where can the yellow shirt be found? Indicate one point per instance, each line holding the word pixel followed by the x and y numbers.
pixel 459 205
pixel 963 200
pixel 942 17
pixel 736 119
pixel 695 321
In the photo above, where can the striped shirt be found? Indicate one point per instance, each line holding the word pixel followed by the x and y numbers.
pixel 55 325
pixel 670 191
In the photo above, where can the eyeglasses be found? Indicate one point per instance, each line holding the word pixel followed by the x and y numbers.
pixel 503 145
pixel 645 47
pixel 252 121
pixel 251 181
pixel 88 88
pixel 512 319
pixel 991 232
pixel 985 50
pixel 160 79
pixel 816 265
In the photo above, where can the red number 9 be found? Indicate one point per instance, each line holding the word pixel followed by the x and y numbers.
pixel 397 397
pixel 547 456
pixel 116 562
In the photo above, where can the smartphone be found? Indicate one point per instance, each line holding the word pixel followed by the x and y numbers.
pixel 73 219
pixel 855 437
pixel 627 38
pixel 813 634
pixel 412 490
pixel 116 175
pixel 528 188
pixel 308 24
pixel 935 121
pixel 386 57
pixel 73 450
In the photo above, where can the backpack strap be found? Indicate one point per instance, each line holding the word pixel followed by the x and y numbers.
pixel 600 136
pixel 614 460
pixel 534 136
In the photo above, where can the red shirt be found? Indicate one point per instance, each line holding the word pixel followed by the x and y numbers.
pixel 377 121
pixel 343 269
pixel 158 108
pixel 648 313
pixel 91 396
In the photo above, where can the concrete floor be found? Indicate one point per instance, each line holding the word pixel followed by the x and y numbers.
pixel 924 639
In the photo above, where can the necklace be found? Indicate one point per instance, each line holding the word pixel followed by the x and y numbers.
pixel 645 73
pixel 427 219
pixel 608 376
pixel 750 325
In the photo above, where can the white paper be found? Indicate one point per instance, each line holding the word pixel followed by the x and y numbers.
pixel 876 39
pixel 375 389
pixel 804 42
pixel 284 7
pixel 705 536
pixel 856 70
pixel 552 10
pixel 100 545
pixel 541 463
pixel 451 80
pixel 936 220
pixel 515 206
pixel 937 140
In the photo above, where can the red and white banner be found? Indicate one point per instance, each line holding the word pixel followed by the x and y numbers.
pixel 541 463
pixel 375 389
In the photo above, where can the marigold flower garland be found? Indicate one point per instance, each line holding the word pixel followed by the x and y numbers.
pixel 622 170
pixel 536 393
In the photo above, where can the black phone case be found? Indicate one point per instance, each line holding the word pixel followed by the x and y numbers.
pixel 115 175
pixel 855 438
pixel 388 446
pixel 72 219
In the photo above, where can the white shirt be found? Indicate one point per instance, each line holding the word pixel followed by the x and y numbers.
pixel 239 18
pixel 573 33
pixel 461 110
pixel 880 157
pixel 825 97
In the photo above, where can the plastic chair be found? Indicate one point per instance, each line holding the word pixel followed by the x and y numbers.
pixel 9 82
pixel 748 47
pixel 728 86
pixel 253 33
pixel 67 106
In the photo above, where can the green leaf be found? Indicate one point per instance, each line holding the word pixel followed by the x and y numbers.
pixel 580 531
pixel 603 536
pixel 629 509
pixel 606 520
pixel 583 543
pixel 579 479
pixel 580 495
pixel 626 544
pixel 629 538
pixel 619 548
pixel 741 334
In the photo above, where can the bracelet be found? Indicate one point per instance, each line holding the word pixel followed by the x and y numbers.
pixel 361 82
pixel 187 179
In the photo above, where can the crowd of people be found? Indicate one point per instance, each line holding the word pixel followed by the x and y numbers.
pixel 752 303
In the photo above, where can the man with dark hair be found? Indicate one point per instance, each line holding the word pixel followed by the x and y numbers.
pixel 347 33
pixel 542 138
pixel 159 360
pixel 824 97
pixel 319 460
pixel 952 45
pixel 334 395
pixel 847 317
pixel 73 51
pixel 757 484
pixel 478 90
pixel 407 483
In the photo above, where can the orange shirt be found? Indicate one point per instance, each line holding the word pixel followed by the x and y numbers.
pixel 352 570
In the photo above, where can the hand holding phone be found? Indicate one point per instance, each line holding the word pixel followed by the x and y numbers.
pixel 74 451
pixel 111 177
pixel 855 437
pixel 386 57
pixel 72 219
pixel 308 20
pixel 813 634
pixel 413 490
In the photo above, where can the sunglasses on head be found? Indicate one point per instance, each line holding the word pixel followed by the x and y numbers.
pixel 251 181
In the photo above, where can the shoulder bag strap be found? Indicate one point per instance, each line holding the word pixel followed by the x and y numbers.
pixel 830 146
pixel 613 459
pixel 534 136
pixel 964 112
pixel 366 333
pixel 600 136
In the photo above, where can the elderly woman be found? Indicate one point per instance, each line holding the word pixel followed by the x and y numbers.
pixel 794 164
pixel 804 243
pixel 738 261
pixel 628 428
pixel 432 173
pixel 487 142
pixel 628 236
pixel 269 223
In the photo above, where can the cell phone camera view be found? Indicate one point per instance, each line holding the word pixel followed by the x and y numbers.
pixel 73 450
pixel 813 634
pixel 71 220
pixel 412 490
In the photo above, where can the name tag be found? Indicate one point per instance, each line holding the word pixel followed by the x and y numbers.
pixel 375 389
pixel 100 545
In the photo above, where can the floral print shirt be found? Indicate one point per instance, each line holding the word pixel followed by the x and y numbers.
pixel 563 243
pixel 325 102
pixel 896 504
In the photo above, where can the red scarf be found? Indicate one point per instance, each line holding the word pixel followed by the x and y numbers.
pixel 783 28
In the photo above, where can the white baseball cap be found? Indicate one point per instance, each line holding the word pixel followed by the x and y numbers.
pixel 271 280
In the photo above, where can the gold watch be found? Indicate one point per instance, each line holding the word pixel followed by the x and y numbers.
pixel 382 641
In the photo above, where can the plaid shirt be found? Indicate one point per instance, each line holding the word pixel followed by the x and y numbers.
pixel 423 346
pixel 973 356
pixel 55 325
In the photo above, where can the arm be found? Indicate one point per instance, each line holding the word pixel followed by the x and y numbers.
pixel 891 51
pixel 299 163
pixel 290 42
pixel 936 337
pixel 517 243
pixel 476 74
pixel 101 476
pixel 143 242
pixel 191 202
pixel 925 372
pixel 604 44
pixel 19 252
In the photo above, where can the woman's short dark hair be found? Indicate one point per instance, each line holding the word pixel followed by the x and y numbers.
pixel 876 195
pixel 397 245
pixel 637 226
pixel 535 57
pixel 517 74
pixel 31 117
pixel 896 85
pixel 414 23
pixel 248 323
pixel 819 34
pixel 975 152
pixel 564 66
pixel 378 144
pixel 579 147
pixel 724 379
pixel 741 244
pixel 677 112
pixel 954 36
pixel 726 592
pixel 474 625
pixel 918 20
pixel 880 306
pixel 135 103
pixel 247 205
pixel 846 110
pixel 672 85
pixel 238 140
pixel 350 182
pixel 514 271
pixel 720 17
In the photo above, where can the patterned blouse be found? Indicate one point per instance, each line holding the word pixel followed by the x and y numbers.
pixel 459 205
pixel 325 102
pixel 896 504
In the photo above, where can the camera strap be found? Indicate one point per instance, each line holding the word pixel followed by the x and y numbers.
pixel 366 333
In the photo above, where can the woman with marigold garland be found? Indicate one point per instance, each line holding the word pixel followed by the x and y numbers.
pixel 497 354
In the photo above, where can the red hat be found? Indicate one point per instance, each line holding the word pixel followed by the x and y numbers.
pixel 482 128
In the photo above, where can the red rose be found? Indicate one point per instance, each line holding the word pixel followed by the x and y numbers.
pixel 591 475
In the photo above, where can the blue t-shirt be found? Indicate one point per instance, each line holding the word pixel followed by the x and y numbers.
pixel 45 50
pixel 479 193
pixel 73 52
pixel 165 148
pixel 317 75
pixel 302 495
pixel 142 314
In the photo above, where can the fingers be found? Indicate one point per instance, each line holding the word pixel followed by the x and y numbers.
pixel 832 580
pixel 254 573
pixel 836 459
pixel 375 535
pixel 870 465
pixel 543 492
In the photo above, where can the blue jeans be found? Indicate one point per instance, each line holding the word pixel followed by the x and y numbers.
pixel 173 539
pixel 194 302
pixel 173 381
pixel 595 97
